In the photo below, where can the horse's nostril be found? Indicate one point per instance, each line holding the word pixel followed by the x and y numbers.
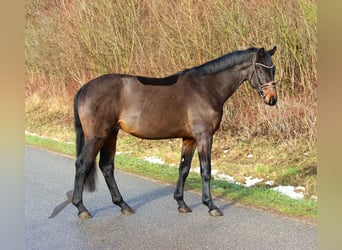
pixel 272 101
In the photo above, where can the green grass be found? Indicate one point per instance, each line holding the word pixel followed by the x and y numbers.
pixel 51 144
pixel 257 197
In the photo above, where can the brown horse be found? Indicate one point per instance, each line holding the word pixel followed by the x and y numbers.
pixel 187 105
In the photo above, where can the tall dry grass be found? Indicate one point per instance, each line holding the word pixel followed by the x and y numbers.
pixel 67 43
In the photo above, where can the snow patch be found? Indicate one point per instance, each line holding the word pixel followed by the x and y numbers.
pixel 225 177
pixel 291 191
pixel 250 181
pixel 214 172
pixel 152 159
pixel 124 152
pixel 196 170
pixel 270 183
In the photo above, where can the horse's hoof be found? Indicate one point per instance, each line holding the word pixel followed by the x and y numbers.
pixel 185 209
pixel 215 212
pixel 127 211
pixel 85 215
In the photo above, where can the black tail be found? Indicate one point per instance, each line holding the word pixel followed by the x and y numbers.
pixel 90 180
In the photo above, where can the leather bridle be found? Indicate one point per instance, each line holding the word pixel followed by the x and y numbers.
pixel 261 86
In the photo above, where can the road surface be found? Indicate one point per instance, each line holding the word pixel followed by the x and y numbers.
pixel 156 224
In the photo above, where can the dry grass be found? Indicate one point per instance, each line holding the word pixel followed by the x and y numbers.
pixel 70 42
pixel 67 43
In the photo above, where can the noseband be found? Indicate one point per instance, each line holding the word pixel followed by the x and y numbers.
pixel 261 86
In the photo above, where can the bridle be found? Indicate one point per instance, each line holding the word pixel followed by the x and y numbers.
pixel 261 86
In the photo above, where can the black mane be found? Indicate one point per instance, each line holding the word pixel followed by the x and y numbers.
pixel 211 67
pixel 224 62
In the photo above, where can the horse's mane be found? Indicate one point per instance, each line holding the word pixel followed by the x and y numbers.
pixel 211 67
pixel 224 62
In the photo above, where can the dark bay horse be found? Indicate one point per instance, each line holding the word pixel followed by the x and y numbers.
pixel 187 105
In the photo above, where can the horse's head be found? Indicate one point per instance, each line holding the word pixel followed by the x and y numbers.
pixel 261 76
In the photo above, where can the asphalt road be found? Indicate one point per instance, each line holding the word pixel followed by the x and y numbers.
pixel 156 224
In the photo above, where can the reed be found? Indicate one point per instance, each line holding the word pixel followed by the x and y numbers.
pixel 67 43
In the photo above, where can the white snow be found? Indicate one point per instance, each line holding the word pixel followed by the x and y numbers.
pixel 270 183
pixel 314 197
pixel 196 170
pixel 152 159
pixel 291 191
pixel 225 177
pixel 214 172
pixel 124 152
pixel 299 188
pixel 250 181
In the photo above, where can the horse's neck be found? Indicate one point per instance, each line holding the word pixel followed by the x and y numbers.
pixel 227 82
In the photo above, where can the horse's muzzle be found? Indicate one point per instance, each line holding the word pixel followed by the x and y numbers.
pixel 272 101
pixel 271 97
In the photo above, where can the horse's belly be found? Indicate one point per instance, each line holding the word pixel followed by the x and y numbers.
pixel 153 128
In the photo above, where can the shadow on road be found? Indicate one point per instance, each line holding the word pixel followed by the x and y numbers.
pixel 136 202
pixel 61 206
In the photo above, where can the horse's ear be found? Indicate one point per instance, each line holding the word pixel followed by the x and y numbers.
pixel 271 52
pixel 260 52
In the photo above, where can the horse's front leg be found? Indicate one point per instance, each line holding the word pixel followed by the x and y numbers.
pixel 188 149
pixel 204 143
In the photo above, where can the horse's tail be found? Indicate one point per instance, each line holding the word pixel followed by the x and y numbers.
pixel 90 179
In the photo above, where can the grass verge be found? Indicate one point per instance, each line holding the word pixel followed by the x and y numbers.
pixel 257 197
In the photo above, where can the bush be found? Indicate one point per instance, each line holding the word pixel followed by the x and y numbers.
pixel 67 43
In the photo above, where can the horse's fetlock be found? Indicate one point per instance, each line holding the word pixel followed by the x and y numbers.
pixel 75 202
pixel 118 201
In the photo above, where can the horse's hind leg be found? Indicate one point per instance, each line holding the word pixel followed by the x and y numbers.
pixel 84 164
pixel 107 155
pixel 188 149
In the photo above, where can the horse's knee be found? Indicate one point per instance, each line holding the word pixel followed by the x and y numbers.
pixel 184 170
